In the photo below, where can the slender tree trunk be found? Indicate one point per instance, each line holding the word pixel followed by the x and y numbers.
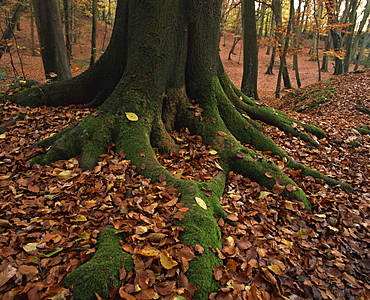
pixel 236 40
pixel 5 44
pixel 332 21
pixel 325 58
pixel 297 44
pixel 262 20
pixel 250 50
pixel 94 31
pixel 270 68
pixel 349 40
pixel 32 26
pixel 282 68
pixel 363 47
pixel 53 48
pixel 68 26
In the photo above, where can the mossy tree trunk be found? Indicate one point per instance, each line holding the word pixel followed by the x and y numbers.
pixel 163 57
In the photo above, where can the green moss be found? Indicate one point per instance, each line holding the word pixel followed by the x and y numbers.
pixel 355 143
pixel 200 227
pixel 319 97
pixel 363 130
pixel 100 273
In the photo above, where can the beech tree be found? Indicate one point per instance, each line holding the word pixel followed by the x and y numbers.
pixel 53 49
pixel 161 72
pixel 250 50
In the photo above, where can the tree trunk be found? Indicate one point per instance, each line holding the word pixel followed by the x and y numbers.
pixel 363 47
pixel 68 26
pixel 94 31
pixel 337 44
pixel 250 50
pixel 349 39
pixel 167 73
pixel 53 49
pixel 325 58
pixel 263 18
pixel 359 30
pixel 32 26
pixel 283 70
pixel 5 44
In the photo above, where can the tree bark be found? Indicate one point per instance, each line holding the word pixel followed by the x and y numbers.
pixel 68 26
pixel 161 70
pixel 332 21
pixel 53 48
pixel 94 31
pixel 250 50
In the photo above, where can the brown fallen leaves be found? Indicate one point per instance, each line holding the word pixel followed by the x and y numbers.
pixel 50 218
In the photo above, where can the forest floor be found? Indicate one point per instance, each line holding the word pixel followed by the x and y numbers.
pixel 50 216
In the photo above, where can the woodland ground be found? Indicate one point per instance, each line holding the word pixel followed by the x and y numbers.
pixel 50 216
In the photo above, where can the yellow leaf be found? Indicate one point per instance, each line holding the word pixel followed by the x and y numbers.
pixel 213 152
pixel 132 116
pixel 166 260
pixel 65 174
pixel 3 135
pixel 81 218
pixel 201 203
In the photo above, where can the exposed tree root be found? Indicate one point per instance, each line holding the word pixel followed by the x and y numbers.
pixel 101 272
pixel 361 107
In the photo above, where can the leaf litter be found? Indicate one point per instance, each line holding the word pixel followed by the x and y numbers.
pixel 50 216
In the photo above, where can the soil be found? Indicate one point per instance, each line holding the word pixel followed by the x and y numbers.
pixel 20 62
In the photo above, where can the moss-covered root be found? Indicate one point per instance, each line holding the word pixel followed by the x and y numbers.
pixel 89 137
pixel 200 227
pixel 315 174
pixel 100 273
pixel 269 115
pixel 267 174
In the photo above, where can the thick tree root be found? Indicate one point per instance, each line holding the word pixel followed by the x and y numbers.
pixel 269 115
pixel 361 107
pixel 100 273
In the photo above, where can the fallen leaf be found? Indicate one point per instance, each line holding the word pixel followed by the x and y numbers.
pixel 239 155
pixel 125 295
pixel 67 174
pixel 269 175
pixel 132 116
pixel 166 260
pixel 201 203
pixel 221 133
pixel 6 273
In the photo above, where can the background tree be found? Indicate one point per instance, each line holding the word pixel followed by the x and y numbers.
pixel 157 76
pixel 360 33
pixel 67 10
pixel 9 31
pixel 349 36
pixel 94 30
pixel 332 9
pixel 53 48
pixel 250 50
